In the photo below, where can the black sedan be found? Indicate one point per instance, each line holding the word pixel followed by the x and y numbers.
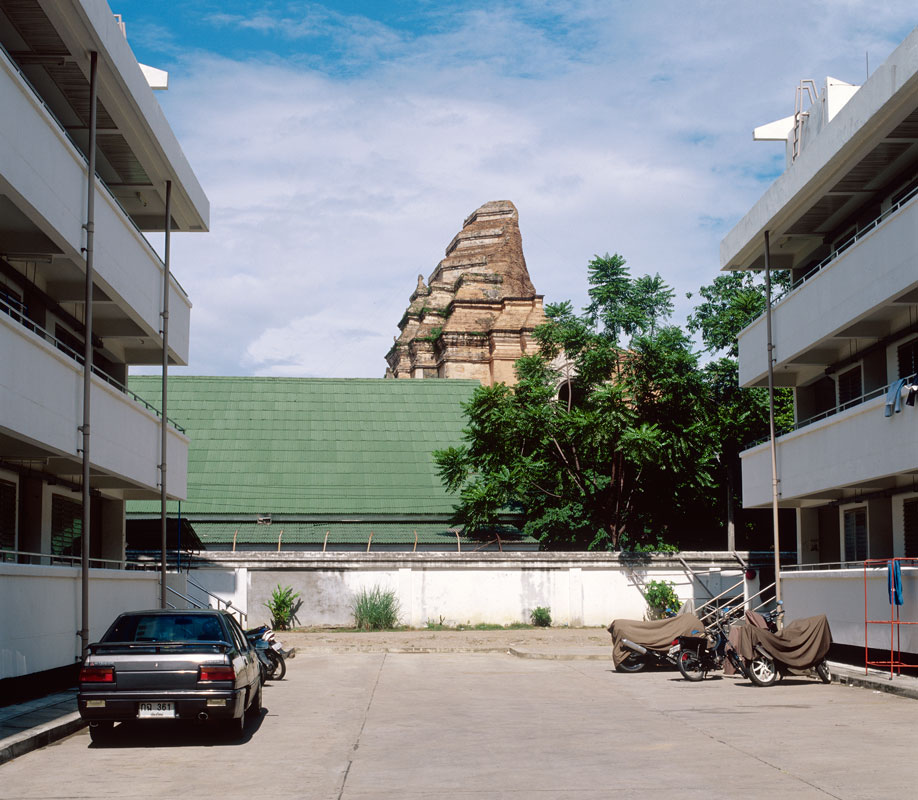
pixel 170 664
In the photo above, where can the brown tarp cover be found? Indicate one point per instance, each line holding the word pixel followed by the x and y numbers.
pixel 802 644
pixel 655 634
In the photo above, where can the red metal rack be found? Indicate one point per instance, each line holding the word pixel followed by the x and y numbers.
pixel 895 662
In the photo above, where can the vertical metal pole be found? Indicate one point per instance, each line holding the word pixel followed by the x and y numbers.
pixel 164 430
pixel 87 353
pixel 771 420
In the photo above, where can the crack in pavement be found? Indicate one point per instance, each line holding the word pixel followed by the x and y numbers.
pixel 366 714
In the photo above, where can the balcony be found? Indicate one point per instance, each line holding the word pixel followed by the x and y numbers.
pixel 858 294
pixel 858 449
pixel 41 408
pixel 43 191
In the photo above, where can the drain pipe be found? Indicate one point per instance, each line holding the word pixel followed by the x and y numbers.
pixel 771 420
pixel 87 352
pixel 164 429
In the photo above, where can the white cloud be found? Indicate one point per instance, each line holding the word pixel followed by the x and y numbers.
pixel 619 127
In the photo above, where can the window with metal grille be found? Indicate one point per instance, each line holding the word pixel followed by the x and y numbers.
pixel 7 515
pixel 908 358
pixel 910 527
pixel 850 386
pixel 856 534
pixel 66 526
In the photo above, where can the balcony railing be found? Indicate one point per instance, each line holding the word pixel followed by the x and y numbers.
pixel 15 66
pixel 845 245
pixel 18 312
pixel 830 412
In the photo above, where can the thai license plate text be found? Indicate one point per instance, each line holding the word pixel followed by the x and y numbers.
pixel 161 709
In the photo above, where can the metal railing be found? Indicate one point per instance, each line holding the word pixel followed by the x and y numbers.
pixel 836 409
pixel 845 245
pixel 16 314
pixel 12 556
pixel 63 129
pixel 850 564
pixel 229 606
pixel 191 601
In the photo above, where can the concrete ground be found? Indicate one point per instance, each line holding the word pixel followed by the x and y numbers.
pixel 560 723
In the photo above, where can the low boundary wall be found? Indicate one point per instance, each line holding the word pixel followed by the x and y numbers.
pixel 581 589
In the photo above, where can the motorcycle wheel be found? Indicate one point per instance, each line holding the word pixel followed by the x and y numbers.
pixel 763 671
pixel 822 670
pixel 635 662
pixel 690 666
pixel 278 666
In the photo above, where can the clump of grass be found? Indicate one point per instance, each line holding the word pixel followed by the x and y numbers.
pixel 541 616
pixel 375 609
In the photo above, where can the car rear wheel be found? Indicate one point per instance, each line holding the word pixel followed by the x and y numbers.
pixel 101 732
pixel 254 710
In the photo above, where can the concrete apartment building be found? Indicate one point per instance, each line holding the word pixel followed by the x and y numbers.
pixel 843 218
pixel 49 52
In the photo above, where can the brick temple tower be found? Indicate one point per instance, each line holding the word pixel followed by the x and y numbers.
pixel 476 314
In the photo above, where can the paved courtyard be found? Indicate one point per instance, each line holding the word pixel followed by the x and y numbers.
pixel 487 725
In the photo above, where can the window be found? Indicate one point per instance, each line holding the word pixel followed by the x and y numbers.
pixel 910 527
pixel 66 526
pixel 850 387
pixel 7 515
pixel 908 358
pixel 856 534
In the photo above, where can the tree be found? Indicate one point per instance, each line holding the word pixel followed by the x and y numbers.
pixel 625 457
pixel 736 417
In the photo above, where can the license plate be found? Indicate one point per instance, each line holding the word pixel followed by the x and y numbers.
pixel 147 710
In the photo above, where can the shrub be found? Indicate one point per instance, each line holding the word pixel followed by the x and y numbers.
pixel 541 616
pixel 283 607
pixel 662 598
pixel 375 609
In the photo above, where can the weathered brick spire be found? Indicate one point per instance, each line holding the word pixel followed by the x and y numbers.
pixel 476 314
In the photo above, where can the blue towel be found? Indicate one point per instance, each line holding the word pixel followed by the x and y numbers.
pixel 894 398
pixel 894 583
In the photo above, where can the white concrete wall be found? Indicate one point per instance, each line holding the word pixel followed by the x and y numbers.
pixel 469 590
pixel 859 444
pixel 839 594
pixel 42 611
pixel 45 175
pixel 41 399
pixel 879 267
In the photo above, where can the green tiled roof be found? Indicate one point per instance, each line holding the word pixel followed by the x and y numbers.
pixel 312 446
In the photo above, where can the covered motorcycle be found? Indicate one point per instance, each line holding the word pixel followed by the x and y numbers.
pixel 637 642
pixel 801 646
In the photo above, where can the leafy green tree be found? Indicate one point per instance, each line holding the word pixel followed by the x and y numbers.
pixel 736 417
pixel 624 456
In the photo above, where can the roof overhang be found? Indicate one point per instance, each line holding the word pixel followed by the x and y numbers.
pixel 51 41
pixel 860 150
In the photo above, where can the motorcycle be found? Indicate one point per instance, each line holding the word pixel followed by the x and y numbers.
pixel 637 644
pixel 270 652
pixel 699 655
pixel 799 649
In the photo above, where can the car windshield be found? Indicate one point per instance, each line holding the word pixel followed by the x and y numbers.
pixel 166 628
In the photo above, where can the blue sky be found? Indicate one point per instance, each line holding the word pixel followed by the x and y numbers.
pixel 341 145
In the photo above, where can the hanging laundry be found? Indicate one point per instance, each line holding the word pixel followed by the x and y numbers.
pixel 894 397
pixel 894 582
